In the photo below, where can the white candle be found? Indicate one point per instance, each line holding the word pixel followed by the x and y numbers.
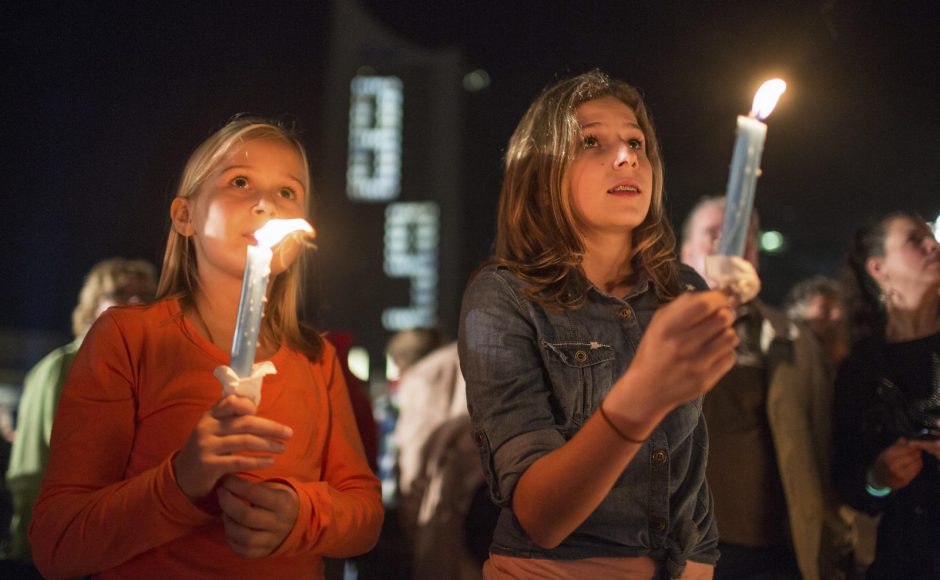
pixel 745 168
pixel 254 286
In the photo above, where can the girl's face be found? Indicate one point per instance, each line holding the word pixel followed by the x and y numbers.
pixel 611 178
pixel 911 259
pixel 255 182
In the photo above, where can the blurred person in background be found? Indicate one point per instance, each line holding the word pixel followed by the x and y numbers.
pixel 438 467
pixel 358 396
pixel 769 431
pixel 113 282
pixel 817 303
pixel 406 347
pixel 887 413
pixel 393 556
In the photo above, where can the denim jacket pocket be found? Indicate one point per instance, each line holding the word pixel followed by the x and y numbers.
pixel 581 374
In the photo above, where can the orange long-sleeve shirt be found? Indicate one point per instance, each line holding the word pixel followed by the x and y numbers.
pixel 109 503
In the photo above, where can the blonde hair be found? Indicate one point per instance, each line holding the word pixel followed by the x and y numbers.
pixel 537 235
pixel 106 280
pixel 178 278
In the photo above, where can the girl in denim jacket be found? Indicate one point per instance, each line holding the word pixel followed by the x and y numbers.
pixel 587 356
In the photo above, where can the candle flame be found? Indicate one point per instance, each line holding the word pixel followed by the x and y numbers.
pixel 766 98
pixel 275 230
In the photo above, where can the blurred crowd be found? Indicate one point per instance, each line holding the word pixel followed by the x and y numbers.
pixel 823 437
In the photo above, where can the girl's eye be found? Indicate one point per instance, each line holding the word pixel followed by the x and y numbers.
pixel 288 193
pixel 240 182
pixel 918 240
pixel 635 144
pixel 590 141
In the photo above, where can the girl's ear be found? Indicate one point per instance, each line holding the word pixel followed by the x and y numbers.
pixel 181 216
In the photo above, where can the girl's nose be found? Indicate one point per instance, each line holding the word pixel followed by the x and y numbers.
pixel 626 155
pixel 265 204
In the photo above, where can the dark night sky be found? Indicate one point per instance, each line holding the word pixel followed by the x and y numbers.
pixel 104 101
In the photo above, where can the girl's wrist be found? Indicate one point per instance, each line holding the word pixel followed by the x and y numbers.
pixel 631 409
pixel 619 430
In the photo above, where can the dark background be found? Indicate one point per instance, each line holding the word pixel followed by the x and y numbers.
pixel 104 101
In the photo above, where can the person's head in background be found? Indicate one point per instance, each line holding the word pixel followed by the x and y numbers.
pixel 406 347
pixel 112 282
pixel 892 269
pixel 557 197
pixel 817 302
pixel 701 230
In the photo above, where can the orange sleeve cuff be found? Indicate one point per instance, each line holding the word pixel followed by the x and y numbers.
pixel 311 522
pixel 175 504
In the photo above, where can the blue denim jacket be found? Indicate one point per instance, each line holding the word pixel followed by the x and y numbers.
pixel 533 379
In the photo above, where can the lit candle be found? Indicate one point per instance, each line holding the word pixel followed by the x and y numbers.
pixel 254 285
pixel 745 168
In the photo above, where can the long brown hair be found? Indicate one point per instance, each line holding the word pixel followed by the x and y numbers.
pixel 178 278
pixel 537 236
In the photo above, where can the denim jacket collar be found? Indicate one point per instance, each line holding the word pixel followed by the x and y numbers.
pixel 643 284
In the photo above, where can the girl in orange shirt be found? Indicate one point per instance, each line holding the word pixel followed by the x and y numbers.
pixel 150 473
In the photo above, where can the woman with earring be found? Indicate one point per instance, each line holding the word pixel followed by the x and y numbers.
pixel 887 418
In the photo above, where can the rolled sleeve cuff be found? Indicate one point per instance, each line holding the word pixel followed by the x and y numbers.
pixel 516 455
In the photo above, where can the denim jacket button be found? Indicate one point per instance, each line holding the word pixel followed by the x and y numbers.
pixel 659 456
pixel 659 525
pixel 479 440
pixel 626 313
pixel 580 356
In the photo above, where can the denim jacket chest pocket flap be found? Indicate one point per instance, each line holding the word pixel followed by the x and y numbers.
pixel 581 373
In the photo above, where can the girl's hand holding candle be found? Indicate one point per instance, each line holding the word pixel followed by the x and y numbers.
pixel 735 276
pixel 249 386
pixel 228 438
